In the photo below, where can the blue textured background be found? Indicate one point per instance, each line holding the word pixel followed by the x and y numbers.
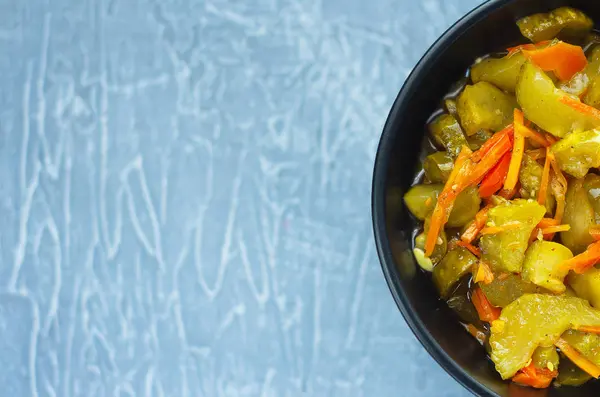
pixel 185 197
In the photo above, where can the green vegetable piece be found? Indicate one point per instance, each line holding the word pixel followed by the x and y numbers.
pixel 591 184
pixel 455 264
pixel 540 101
pixel 421 200
pixel 484 107
pixel 446 132
pixel 578 152
pixel 438 167
pixel 570 374
pixel 440 249
pixel 504 290
pixel 505 251
pixel 545 358
pixel 592 72
pixel 478 139
pixel 579 213
pixel 530 177
pixel 542 265
pixel 587 285
pixel 501 72
pixel 587 344
pixel 465 207
pixel 458 300
pixel 565 22
pixel 534 320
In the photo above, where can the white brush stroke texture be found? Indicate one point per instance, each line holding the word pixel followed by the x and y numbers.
pixel 184 190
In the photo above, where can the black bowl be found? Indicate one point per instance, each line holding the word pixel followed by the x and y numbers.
pixel 489 28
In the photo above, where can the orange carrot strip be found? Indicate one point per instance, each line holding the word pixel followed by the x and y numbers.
pixel 484 308
pixel 475 227
pixel 517 155
pixel 545 180
pixel 474 250
pixel 581 107
pixel 556 229
pixel 535 136
pixel 490 143
pixel 483 273
pixel 476 333
pixel 500 229
pixel 491 158
pixel 592 329
pixel 515 49
pixel 535 377
pixel 454 186
pixel 582 262
pixel 536 154
pixel 577 358
pixel 494 180
pixel 547 222
pixel 564 59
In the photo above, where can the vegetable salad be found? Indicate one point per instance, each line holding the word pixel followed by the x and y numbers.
pixel 510 204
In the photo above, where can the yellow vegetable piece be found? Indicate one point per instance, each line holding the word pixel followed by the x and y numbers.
pixel 505 251
pixel 542 265
pixel 535 320
pixel 540 101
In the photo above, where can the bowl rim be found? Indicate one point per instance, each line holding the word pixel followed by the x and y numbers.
pixel 378 187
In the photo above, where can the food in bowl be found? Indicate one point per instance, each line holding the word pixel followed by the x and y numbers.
pixel 508 201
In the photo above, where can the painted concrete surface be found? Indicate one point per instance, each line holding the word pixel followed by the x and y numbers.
pixel 185 197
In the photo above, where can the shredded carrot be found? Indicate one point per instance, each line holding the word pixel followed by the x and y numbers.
pixel 595 232
pixel 536 154
pixel 577 358
pixel 484 308
pixel 581 107
pixel 535 136
pixel 476 333
pixel 474 250
pixel 475 227
pixel 582 262
pixel 493 155
pixel 535 377
pixel 545 180
pixel 547 222
pixel 499 229
pixel 490 143
pixel 494 180
pixel 483 273
pixel 454 186
pixel 592 329
pixel 517 154
pixel 556 229
pixel 564 59
pixel 513 50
